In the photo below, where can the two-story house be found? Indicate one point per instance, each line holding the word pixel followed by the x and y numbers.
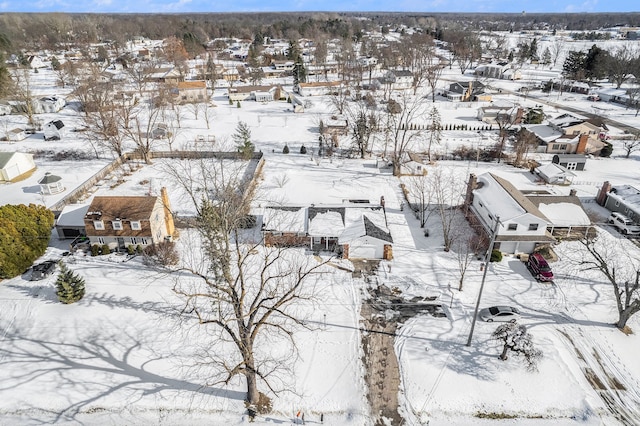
pixel 521 225
pixel 120 221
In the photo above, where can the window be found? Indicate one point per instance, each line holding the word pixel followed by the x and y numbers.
pixel 563 146
pixel 100 240
pixel 572 166
pixel 135 225
pixel 143 241
pixel 480 204
pixel 556 146
pixel 512 226
pixel 533 227
pixel 134 240
pixel 98 224
pixel 117 225
pixel 617 203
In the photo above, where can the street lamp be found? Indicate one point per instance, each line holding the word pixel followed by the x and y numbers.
pixel 484 276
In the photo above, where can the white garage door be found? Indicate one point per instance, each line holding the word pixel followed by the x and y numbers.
pixel 363 252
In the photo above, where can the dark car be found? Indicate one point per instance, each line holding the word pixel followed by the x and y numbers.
pixel 499 313
pixel 539 267
pixel 43 270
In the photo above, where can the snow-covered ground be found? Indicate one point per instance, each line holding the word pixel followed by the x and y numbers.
pixel 120 356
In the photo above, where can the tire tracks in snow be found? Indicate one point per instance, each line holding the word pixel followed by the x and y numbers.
pixel 606 373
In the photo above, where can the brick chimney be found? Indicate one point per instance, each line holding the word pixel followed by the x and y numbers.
pixel 471 186
pixel 168 216
pixel 582 144
pixel 601 198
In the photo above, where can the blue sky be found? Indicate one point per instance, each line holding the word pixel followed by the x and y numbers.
pixel 180 6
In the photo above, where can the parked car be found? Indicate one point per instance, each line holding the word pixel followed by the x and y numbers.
pixel 539 267
pixel 623 224
pixel 499 313
pixel 43 270
pixel 593 98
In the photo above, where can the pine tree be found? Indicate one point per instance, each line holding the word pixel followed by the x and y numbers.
pixel 242 139
pixel 69 285
pixel 285 150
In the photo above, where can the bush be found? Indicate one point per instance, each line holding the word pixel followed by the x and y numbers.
pixel 238 104
pixel 95 250
pixel 496 256
pixel 161 254
pixel 285 150
pixel 139 249
pixel 303 149
pixel 131 250
pixel 69 285
pixel 606 151
pixel 105 249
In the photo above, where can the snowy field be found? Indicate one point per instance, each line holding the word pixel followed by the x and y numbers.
pixel 120 355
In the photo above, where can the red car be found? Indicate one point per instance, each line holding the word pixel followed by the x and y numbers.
pixel 539 267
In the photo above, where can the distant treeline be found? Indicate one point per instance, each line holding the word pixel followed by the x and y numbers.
pixel 50 30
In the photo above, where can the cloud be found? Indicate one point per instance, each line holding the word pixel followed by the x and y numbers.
pixel 585 6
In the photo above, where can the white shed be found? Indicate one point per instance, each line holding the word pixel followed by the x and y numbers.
pixel 54 130
pixel 15 164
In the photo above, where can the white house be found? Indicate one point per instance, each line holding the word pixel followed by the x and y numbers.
pixel 16 134
pixel 521 226
pixel 555 174
pixel 15 164
pixel 54 130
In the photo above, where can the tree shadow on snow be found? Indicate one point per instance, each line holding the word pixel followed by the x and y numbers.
pixel 91 368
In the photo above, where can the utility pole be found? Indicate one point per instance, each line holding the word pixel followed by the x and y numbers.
pixel 484 276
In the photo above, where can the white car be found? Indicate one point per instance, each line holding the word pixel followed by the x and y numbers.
pixel 623 224
pixel 499 313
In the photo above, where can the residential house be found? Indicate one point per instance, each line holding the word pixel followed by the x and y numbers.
pixel 120 221
pixel 571 161
pixel 318 88
pixel 466 91
pixel 255 93
pixel 507 113
pixel 14 165
pixel 165 75
pixel 48 104
pixel 54 130
pixel 356 230
pixel 501 70
pixel 566 215
pixel 336 125
pixel 624 199
pixel 521 227
pixel 397 79
pixel 192 91
pixel 36 62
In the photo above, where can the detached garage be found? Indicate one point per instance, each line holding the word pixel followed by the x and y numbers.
pixel 363 239
pixel 70 221
pixel 13 165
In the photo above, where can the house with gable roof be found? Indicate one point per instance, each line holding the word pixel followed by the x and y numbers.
pixel 355 230
pixel 522 226
pixel 120 221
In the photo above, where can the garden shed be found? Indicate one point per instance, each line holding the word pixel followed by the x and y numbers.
pixel 15 164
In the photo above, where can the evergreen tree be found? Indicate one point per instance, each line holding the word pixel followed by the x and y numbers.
pixel 595 63
pixel 242 139
pixel 285 150
pixel 574 64
pixel 24 236
pixel 546 56
pixel 69 285
pixel 435 130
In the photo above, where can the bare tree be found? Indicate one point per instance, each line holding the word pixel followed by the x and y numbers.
pixel 420 194
pixel 515 338
pixel 239 289
pixel 402 127
pixel 143 119
pixel 447 191
pixel 556 47
pixel 466 246
pixel 432 73
pixel 632 145
pixel 619 64
pixel 524 141
pixel 505 119
pixel 23 93
pixel 363 123
pixel 339 99
pixel 621 271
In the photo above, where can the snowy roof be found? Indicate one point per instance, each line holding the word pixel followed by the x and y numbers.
pixel 72 215
pixel 327 222
pixel 562 211
pixel 284 219
pixel 503 199
pixel 49 178
pixel 553 170
pixel 627 193
pixel 364 226
pixel 544 132
pixel 7 157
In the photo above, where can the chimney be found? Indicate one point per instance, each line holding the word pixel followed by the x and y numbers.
pixel 601 198
pixel 471 186
pixel 168 216
pixel 582 144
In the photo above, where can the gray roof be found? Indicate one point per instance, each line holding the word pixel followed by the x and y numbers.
pixel 49 178
pixel 373 231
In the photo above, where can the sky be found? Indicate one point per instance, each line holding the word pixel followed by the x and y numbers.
pixel 185 6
